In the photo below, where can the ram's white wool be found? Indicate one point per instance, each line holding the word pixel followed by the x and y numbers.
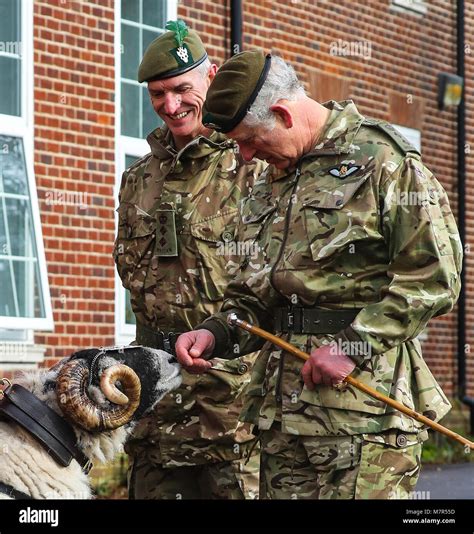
pixel 26 466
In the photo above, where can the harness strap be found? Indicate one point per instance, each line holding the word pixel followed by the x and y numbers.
pixel 51 430
pixel 6 489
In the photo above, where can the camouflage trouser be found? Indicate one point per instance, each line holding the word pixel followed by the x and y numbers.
pixel 333 467
pixel 236 479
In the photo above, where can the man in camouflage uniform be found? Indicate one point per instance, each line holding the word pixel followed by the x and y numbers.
pixel 175 253
pixel 358 249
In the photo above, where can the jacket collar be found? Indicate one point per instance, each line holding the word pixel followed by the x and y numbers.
pixel 337 137
pixel 162 145
pixel 339 131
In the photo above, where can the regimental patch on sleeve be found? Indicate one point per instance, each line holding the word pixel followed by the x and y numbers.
pixel 344 170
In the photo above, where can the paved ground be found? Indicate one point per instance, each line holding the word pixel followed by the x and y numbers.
pixel 447 482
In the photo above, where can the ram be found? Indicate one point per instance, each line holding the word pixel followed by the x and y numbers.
pixel 55 423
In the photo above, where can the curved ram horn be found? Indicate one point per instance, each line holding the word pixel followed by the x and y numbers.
pixel 71 389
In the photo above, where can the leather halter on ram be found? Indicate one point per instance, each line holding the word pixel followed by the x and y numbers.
pixel 53 432
pixel 44 424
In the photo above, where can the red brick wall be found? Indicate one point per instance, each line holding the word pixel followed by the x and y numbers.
pixel 469 77
pixel 74 150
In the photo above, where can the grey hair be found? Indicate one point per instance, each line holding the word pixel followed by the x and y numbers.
pixel 203 68
pixel 281 83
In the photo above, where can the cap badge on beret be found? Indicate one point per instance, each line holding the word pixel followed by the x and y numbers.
pixel 181 53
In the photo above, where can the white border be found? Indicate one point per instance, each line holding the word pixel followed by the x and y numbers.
pixel 23 127
pixel 131 146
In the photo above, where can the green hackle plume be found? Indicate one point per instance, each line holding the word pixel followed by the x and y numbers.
pixel 179 28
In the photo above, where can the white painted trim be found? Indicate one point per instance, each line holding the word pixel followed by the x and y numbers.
pixel 415 7
pixel 20 353
pixel 124 333
pixel 14 126
pixel 124 145
pixel 172 12
pixel 23 127
pixel 133 146
pixel 28 64
pixel 140 25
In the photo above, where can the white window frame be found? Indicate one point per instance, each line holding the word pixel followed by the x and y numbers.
pixel 126 146
pixel 415 7
pixel 23 127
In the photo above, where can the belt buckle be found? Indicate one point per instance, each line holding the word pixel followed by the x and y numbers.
pixel 290 320
pixel 296 315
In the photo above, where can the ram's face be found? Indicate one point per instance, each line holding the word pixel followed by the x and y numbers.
pixel 102 389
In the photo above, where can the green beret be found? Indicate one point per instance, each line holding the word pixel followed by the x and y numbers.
pixel 234 89
pixel 172 53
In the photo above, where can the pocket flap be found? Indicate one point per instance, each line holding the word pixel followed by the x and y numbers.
pixel 349 398
pixel 333 198
pixel 238 366
pixel 138 222
pixel 256 209
pixel 217 228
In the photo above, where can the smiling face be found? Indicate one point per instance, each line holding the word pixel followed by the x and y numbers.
pixel 179 100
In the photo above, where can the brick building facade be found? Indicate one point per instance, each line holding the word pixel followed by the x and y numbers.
pixel 81 130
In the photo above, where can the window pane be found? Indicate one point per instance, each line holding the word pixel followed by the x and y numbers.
pixel 129 160
pixel 148 37
pixel 12 166
pixel 151 120
pixel 21 270
pixel 130 109
pixel 19 227
pixel 130 51
pixel 154 13
pixel 10 21
pixel 131 10
pixel 27 289
pixel 3 234
pixel 129 315
pixel 10 88
pixel 20 280
pixel 13 335
pixel 7 297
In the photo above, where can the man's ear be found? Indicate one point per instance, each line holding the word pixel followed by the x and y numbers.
pixel 212 71
pixel 284 113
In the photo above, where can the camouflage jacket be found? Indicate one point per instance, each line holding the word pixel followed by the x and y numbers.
pixel 203 184
pixel 361 223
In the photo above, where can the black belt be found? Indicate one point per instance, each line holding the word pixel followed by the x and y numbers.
pixel 313 320
pixel 156 339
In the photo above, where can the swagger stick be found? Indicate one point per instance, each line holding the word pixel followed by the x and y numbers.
pixel 232 319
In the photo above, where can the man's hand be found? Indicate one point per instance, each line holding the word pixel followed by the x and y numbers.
pixel 192 348
pixel 327 365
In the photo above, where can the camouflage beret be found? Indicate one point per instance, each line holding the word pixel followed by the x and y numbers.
pixel 234 89
pixel 172 53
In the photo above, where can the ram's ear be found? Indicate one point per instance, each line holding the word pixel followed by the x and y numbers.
pixel 84 354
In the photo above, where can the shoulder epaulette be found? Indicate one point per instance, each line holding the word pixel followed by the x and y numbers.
pixel 402 143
